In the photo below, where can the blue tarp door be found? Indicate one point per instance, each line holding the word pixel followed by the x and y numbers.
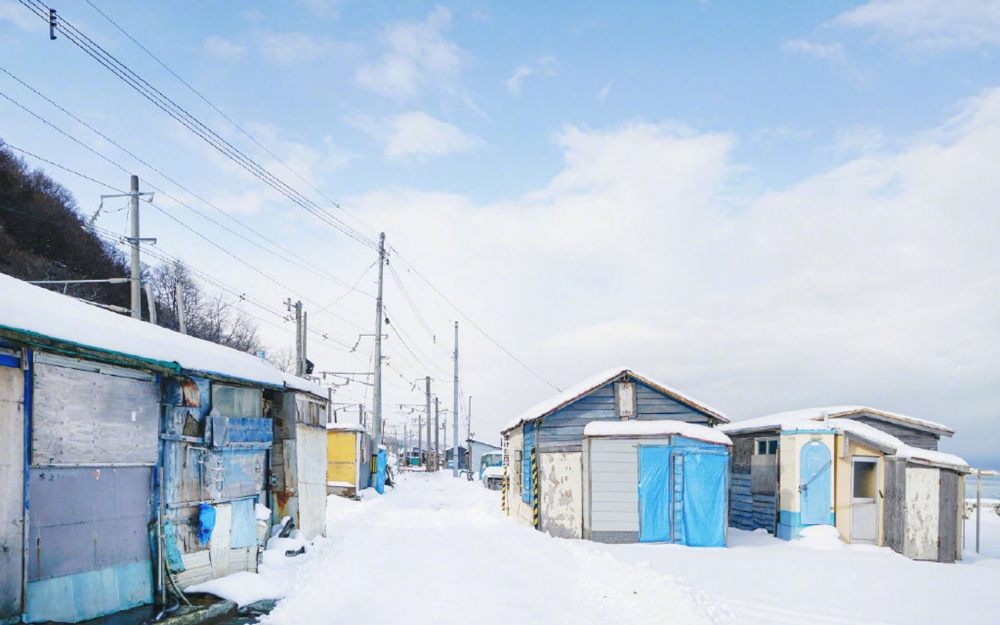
pixel 654 494
pixel 380 463
pixel 704 500
pixel 814 487
pixel 527 486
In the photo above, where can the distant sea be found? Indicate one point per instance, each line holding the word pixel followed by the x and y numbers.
pixel 990 486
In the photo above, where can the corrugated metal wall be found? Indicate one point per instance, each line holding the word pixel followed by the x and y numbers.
pixel 614 494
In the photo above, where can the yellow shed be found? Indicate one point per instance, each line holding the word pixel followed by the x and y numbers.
pixel 348 454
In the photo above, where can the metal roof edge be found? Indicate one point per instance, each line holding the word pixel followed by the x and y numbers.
pixel 71 348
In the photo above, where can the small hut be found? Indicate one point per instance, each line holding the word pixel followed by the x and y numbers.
pixel 655 481
pixel 875 475
pixel 299 456
pixel 544 446
pixel 348 459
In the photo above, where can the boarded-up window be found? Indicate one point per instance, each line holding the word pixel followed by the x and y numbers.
pixel 89 417
pixel 236 401
pixel 625 399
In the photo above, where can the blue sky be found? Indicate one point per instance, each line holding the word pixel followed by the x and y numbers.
pixel 769 205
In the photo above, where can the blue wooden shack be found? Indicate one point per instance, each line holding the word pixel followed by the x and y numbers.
pixel 106 421
pixel 544 446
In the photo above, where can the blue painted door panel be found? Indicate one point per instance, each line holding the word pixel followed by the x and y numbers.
pixel 814 484
pixel 527 486
pixel 654 494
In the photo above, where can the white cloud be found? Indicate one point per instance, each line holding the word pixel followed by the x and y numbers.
pixel 930 23
pixel 514 82
pixel 222 48
pixel 418 134
pixel 417 53
pixel 874 282
pixel 602 95
pixel 833 52
pixel 292 47
pixel 20 16
pixel 545 66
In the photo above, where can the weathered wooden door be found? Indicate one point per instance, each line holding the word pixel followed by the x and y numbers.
pixel 864 501
pixel 814 485
pixel 11 489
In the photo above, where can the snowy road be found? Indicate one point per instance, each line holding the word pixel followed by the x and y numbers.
pixel 437 550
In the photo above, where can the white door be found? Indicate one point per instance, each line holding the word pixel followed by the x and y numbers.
pixel 864 500
pixel 11 489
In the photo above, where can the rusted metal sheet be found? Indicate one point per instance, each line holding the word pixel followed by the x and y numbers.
pixel 83 417
pixel 11 490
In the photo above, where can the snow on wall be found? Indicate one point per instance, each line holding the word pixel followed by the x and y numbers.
pixel 560 481
pixel 920 534
pixel 28 308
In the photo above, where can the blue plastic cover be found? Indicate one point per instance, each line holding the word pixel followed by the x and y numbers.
pixel 206 522
pixel 380 463
pixel 527 486
pixel 654 494
pixel 704 516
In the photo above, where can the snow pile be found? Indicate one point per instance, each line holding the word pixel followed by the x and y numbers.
pixel 656 428
pixel 28 308
pixel 792 417
pixel 595 381
pixel 263 512
pixel 489 472
pixel 296 383
pixel 243 588
pixel 346 427
pixel 821 538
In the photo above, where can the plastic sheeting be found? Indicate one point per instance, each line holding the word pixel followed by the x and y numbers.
pixel 654 494
pixel 683 494
pixel 704 516
pixel 380 464
pixel 206 522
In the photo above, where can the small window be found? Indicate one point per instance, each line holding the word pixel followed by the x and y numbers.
pixel 236 401
pixel 767 446
pixel 625 399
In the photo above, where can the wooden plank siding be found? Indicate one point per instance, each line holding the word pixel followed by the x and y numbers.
pixel 562 431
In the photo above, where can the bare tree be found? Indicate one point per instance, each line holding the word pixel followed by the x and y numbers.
pixel 283 359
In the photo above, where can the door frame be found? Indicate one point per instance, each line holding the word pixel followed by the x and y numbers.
pixel 877 461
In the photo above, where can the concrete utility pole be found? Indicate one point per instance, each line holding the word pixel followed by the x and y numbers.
pixel 305 335
pixel 468 436
pixel 150 304
pixel 421 459
pixel 427 398
pixel 377 430
pixel 300 358
pixel 454 471
pixel 437 447
pixel 180 309
pixel 134 240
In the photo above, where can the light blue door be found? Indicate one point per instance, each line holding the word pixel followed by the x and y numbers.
pixel 814 484
pixel 654 494
pixel 705 500
pixel 527 484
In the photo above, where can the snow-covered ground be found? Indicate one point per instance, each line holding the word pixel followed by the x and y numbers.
pixel 438 550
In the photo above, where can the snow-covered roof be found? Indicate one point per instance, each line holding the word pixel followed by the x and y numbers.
pixel 296 383
pixel 596 381
pixel 35 315
pixel 833 412
pixel 346 427
pixel 811 419
pixel 632 428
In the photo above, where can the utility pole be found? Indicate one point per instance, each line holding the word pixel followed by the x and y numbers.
pixel 180 309
pixel 427 397
pixel 437 447
pixel 300 347
pixel 421 459
pixel 150 303
pixel 404 451
pixel 377 430
pixel 305 336
pixel 454 471
pixel 468 434
pixel 134 240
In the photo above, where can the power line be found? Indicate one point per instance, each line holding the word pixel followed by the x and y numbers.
pixel 226 117
pixel 192 123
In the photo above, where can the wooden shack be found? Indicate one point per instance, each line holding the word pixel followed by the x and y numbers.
pixel 299 456
pixel 96 408
pixel 544 460
pixel 875 475
pixel 348 459
pixel 655 481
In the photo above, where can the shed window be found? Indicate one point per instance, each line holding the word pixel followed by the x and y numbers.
pixel 236 401
pixel 767 446
pixel 625 399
